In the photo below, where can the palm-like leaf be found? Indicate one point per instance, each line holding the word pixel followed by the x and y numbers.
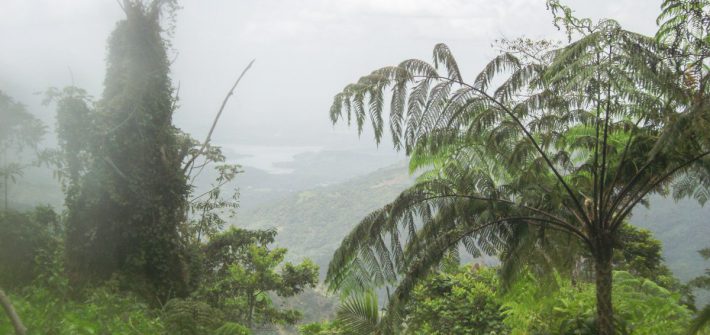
pixel 359 314
pixel 700 321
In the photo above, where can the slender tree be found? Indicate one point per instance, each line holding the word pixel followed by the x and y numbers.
pixel 569 140
pixel 19 131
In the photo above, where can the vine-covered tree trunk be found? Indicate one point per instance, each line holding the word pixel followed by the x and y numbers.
pixel 605 312
pixel 126 214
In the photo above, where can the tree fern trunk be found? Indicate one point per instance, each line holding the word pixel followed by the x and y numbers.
pixel 605 312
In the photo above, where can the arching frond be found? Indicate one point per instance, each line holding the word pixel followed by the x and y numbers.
pixel 359 314
pixel 701 321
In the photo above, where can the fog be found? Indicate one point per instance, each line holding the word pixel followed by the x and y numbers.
pixel 305 52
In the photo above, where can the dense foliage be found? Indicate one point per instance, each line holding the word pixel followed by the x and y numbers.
pixel 239 273
pixel 702 320
pixel 644 307
pixel 445 304
pixel 24 237
pixel 103 311
pixel 470 300
pixel 144 248
pixel 241 270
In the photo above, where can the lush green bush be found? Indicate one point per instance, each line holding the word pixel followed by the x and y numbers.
pixel 103 311
pixel 462 302
pixel 47 309
pixel 469 300
pixel 642 306
pixel 320 328
pixel 32 266
pixel 23 237
pixel 242 270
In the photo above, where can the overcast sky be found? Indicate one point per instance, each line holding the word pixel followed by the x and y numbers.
pixel 305 51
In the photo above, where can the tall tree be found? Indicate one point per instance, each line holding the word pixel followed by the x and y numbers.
pixel 132 196
pixel 569 140
pixel 128 174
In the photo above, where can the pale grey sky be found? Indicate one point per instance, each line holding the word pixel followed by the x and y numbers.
pixel 305 50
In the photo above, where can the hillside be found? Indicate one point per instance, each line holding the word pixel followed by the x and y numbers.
pixel 684 228
pixel 312 223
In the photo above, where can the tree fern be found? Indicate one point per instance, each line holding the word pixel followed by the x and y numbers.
pixel 231 328
pixel 187 317
pixel 569 143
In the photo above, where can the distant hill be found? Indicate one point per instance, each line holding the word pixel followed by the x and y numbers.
pixel 312 223
pixel 684 228
pixel 307 170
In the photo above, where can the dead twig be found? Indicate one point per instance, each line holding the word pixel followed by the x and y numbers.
pixel 189 165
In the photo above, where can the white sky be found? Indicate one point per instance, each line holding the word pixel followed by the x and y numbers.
pixel 305 50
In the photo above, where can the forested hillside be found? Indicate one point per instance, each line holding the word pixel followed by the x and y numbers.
pixel 684 227
pixel 307 170
pixel 312 222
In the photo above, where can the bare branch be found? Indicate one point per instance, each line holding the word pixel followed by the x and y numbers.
pixel 188 166
pixel 210 191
